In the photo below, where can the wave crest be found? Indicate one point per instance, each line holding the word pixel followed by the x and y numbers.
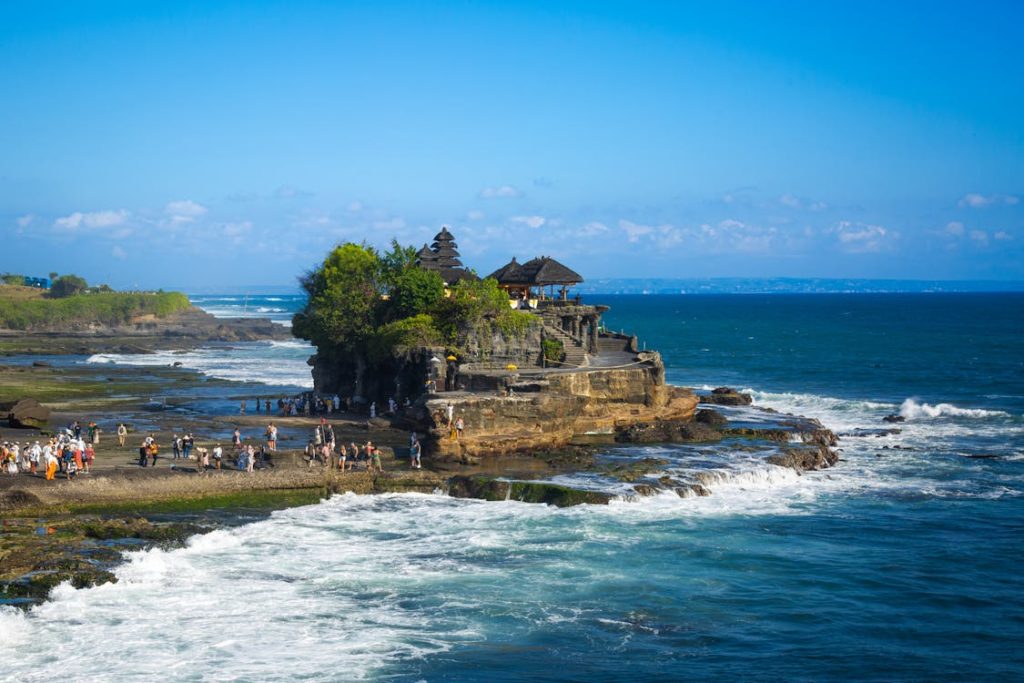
pixel 911 409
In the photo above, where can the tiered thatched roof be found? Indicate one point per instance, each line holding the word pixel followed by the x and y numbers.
pixel 443 257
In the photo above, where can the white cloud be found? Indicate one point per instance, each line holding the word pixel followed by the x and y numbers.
pixel 501 192
pixel 979 236
pixel 184 211
pixel 635 231
pixel 529 221
pixel 1003 235
pixel 119 253
pixel 976 201
pixel 859 238
pixel 25 221
pixel 955 228
pixel 92 220
pixel 475 215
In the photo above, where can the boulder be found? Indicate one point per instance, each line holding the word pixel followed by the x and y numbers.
pixel 668 431
pixel 895 417
pixel 725 396
pixel 27 413
pixel 709 417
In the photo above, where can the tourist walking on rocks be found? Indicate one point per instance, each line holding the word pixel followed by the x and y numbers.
pixel 175 446
pixel 122 434
pixel 272 437
pixel 186 445
pixel 374 454
pixel 342 457
pixel 460 425
pixel 154 452
pixel 236 439
pixel 90 456
pixel 34 457
pixel 250 463
pixel 218 455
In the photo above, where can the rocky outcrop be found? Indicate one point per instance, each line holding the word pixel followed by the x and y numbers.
pixel 27 413
pixel 488 488
pixel 559 407
pixel 668 431
pixel 724 396
pixel 143 334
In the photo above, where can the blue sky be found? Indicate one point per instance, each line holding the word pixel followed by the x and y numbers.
pixel 195 144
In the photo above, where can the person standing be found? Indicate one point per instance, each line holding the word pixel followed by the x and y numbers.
pixel 218 455
pixel 236 439
pixel 175 446
pixel 271 437
pixel 186 445
pixel 416 452
pixel 50 462
pixel 122 434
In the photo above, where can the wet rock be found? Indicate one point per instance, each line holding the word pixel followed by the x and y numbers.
pixel 709 417
pixel 40 364
pixel 691 490
pixel 646 489
pixel 668 431
pixel 487 488
pixel 27 413
pixel 894 417
pixel 16 498
pixel 725 396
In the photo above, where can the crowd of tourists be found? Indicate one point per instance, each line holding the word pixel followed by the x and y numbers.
pixel 68 453
pixel 310 404
pixel 324 449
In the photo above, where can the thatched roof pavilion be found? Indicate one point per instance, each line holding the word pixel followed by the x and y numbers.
pixel 543 271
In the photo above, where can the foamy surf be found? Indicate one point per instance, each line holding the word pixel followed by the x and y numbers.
pixel 912 410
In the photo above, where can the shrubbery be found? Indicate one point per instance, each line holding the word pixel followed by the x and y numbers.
pixel 107 308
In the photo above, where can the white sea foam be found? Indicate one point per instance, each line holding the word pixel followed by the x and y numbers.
pixel 912 410
pixel 272 362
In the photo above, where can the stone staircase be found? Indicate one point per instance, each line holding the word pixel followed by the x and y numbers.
pixel 575 354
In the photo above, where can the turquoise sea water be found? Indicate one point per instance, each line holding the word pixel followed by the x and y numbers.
pixel 901 563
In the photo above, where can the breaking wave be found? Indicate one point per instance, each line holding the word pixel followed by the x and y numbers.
pixel 911 410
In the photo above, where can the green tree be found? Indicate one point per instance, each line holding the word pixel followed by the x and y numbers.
pixel 67 285
pixel 343 298
pixel 415 291
pixel 395 262
pixel 12 279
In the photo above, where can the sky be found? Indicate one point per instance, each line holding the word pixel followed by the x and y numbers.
pixel 204 144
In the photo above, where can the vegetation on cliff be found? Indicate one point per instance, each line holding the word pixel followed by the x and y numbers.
pixel 368 306
pixel 30 309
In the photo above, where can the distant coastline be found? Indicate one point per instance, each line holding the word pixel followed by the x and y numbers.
pixel 737 285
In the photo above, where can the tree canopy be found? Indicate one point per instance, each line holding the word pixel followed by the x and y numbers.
pixel 369 304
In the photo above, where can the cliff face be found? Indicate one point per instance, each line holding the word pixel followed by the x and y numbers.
pixel 548 410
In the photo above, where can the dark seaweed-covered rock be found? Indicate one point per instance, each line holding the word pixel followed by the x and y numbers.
pixel 16 498
pixel 709 417
pixel 893 418
pixel 668 431
pixel 725 396
pixel 486 488
pixel 27 413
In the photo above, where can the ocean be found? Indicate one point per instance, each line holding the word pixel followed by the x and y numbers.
pixel 902 563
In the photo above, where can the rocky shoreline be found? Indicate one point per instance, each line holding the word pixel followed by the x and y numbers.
pixel 77 531
pixel 144 334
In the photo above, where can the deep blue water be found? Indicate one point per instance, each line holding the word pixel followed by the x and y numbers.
pixel 902 563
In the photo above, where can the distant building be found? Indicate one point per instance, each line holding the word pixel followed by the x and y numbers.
pixel 38 282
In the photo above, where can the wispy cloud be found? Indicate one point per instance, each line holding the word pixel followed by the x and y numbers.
pixel 1002 235
pixel 530 221
pixel 794 202
pixel 184 211
pixel 92 220
pixel 291 192
pixel 118 252
pixel 25 221
pixel 974 200
pixel 501 192
pixel 861 238
pixel 955 228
